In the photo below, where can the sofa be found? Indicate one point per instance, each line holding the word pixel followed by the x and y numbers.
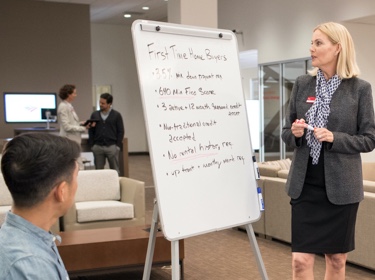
pixel 276 223
pixel 104 199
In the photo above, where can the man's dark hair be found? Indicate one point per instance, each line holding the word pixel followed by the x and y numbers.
pixel 66 90
pixel 108 97
pixel 34 163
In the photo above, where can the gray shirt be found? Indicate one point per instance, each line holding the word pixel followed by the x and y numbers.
pixel 28 252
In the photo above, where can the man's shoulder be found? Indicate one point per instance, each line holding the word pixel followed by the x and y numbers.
pixel 12 246
pixel 27 265
pixel 21 248
pixel 116 112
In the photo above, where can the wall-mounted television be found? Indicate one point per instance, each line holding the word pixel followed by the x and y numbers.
pixel 27 107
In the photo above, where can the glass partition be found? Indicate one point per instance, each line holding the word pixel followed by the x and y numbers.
pixel 270 89
pixel 276 83
pixel 291 71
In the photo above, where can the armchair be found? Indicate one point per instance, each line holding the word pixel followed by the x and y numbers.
pixel 104 199
pixel 5 199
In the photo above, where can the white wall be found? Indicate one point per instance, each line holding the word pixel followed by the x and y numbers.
pixel 365 46
pixel 113 63
pixel 281 30
pixel 44 45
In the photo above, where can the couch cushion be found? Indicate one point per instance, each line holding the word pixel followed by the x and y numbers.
pixel 283 163
pixel 368 171
pixel 91 211
pixel 283 174
pixel 369 186
pixel 272 168
pixel 96 185
pixel 3 212
pixel 268 170
pixel 5 196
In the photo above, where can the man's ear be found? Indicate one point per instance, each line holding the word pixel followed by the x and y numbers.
pixel 60 191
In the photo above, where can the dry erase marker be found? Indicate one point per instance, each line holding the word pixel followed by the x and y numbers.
pixel 309 127
pixel 260 198
pixel 257 174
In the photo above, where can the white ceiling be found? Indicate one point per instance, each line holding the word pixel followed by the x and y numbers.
pixel 112 11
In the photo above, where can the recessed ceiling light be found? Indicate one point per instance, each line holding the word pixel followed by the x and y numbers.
pixel 145 8
pixel 127 15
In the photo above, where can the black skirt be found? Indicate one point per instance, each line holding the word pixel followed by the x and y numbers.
pixel 318 226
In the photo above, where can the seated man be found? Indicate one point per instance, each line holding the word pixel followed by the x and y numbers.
pixel 40 170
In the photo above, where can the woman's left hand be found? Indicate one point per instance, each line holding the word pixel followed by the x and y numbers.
pixel 323 135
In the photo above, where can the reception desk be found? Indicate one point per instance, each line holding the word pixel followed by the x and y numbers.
pixel 123 158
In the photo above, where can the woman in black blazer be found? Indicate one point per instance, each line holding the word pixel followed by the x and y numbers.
pixel 330 121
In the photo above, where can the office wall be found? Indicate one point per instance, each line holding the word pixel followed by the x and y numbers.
pixel 365 46
pixel 113 63
pixel 279 30
pixel 282 30
pixel 43 46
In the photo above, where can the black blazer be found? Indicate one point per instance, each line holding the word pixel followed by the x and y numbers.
pixel 353 126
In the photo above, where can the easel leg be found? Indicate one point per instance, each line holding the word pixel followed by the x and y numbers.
pixel 151 243
pixel 175 260
pixel 254 245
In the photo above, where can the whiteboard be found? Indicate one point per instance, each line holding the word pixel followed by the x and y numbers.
pixel 197 128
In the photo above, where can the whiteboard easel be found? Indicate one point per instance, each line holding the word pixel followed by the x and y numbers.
pixel 176 273
pixel 151 246
pixel 197 130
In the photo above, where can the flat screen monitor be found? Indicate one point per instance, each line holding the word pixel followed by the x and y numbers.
pixel 29 107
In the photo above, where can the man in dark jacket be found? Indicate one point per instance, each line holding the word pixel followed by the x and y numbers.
pixel 106 134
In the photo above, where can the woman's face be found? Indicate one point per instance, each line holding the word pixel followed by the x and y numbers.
pixel 324 54
pixel 72 96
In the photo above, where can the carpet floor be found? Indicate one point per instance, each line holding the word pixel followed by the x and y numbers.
pixel 225 254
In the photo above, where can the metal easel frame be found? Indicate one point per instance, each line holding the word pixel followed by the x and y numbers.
pixel 176 274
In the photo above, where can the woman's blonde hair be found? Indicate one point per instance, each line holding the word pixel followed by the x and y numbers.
pixel 346 65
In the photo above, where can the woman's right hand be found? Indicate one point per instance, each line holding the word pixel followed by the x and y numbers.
pixel 298 128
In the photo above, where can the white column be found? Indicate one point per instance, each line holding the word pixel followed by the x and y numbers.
pixel 193 12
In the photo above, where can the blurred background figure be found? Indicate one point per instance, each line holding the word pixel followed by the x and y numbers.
pixel 106 135
pixel 70 126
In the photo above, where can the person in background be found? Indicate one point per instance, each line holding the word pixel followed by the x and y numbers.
pixel 329 123
pixel 70 126
pixel 40 171
pixel 106 135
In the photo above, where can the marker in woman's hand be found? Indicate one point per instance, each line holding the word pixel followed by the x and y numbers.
pixel 309 127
